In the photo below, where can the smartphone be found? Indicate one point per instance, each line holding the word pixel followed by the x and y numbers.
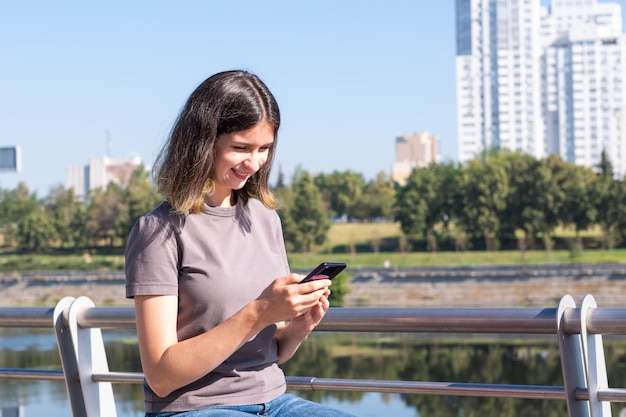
pixel 330 269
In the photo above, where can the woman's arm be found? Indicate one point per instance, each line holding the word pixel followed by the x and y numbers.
pixel 169 364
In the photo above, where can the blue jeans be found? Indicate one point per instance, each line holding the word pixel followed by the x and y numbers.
pixel 284 406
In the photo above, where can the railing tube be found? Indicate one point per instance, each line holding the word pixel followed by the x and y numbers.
pixel 33 374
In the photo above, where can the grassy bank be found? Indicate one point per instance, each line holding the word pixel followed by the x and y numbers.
pixel 351 243
pixel 463 258
pixel 12 262
pixel 68 262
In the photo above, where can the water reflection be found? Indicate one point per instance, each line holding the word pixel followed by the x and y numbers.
pixel 512 360
pixel 523 360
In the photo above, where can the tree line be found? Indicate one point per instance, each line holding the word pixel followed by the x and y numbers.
pixel 504 198
pixel 60 221
pixel 498 200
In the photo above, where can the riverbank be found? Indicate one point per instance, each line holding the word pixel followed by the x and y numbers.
pixel 489 286
pixel 496 286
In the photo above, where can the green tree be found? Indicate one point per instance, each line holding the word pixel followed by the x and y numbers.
pixel 31 227
pixel 449 203
pixel 140 197
pixel 377 199
pixel 608 202
pixel 9 213
pixel 308 222
pixel 340 190
pixel 579 208
pixel 449 196
pixel 36 230
pixel 418 206
pixel 544 213
pixel 619 209
pixel 534 197
pixel 15 201
pixel 69 216
pixel 107 215
pixel 521 210
pixel 485 187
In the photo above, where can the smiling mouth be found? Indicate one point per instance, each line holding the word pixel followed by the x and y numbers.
pixel 241 175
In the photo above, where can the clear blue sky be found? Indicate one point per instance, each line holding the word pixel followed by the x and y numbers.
pixel 348 75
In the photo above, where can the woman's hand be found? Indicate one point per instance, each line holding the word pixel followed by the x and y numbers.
pixel 292 332
pixel 287 300
pixel 300 326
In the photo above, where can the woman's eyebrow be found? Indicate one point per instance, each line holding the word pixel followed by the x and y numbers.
pixel 245 142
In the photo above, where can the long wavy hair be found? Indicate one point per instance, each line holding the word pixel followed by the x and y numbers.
pixel 227 102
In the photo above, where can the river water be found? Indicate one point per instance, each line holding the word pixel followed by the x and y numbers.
pixel 37 350
pixel 49 399
pixel 524 360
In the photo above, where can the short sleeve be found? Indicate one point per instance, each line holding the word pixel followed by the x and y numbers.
pixel 151 258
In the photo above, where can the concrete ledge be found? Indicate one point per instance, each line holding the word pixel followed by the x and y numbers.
pixel 499 286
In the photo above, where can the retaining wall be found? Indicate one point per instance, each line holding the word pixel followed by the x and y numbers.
pixel 503 286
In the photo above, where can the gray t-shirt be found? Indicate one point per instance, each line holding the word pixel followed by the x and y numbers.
pixel 215 262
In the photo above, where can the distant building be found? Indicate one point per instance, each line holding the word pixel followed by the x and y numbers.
pixel 542 80
pixel 413 150
pixel 10 159
pixel 13 411
pixel 584 77
pixel 99 173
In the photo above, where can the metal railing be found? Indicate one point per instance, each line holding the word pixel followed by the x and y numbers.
pixel 78 324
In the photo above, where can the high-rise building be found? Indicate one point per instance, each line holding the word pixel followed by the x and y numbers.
pixel 498 76
pixel 99 173
pixel 584 72
pixel 414 150
pixel 542 80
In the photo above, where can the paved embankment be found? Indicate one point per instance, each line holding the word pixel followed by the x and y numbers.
pixel 499 286
pixel 46 288
pixel 526 286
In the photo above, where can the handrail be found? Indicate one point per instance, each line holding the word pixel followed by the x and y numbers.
pixel 362 319
pixel 40 317
pixel 78 324
pixel 33 374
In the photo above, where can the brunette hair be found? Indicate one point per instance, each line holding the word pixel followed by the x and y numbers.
pixel 227 102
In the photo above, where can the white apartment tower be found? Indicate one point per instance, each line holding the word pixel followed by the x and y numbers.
pixel 584 74
pixel 541 79
pixel 498 76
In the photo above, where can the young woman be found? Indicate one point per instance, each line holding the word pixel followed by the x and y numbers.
pixel 217 308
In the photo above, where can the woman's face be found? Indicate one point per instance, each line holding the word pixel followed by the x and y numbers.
pixel 239 155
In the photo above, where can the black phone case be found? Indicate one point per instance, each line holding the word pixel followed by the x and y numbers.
pixel 330 269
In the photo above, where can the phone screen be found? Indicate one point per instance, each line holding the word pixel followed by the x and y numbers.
pixel 330 269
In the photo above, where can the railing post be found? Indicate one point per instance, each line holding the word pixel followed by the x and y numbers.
pixel 595 364
pixel 571 362
pixel 69 359
pixel 82 351
pixel 92 358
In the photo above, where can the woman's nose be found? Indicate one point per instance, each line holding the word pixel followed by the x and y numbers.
pixel 255 161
